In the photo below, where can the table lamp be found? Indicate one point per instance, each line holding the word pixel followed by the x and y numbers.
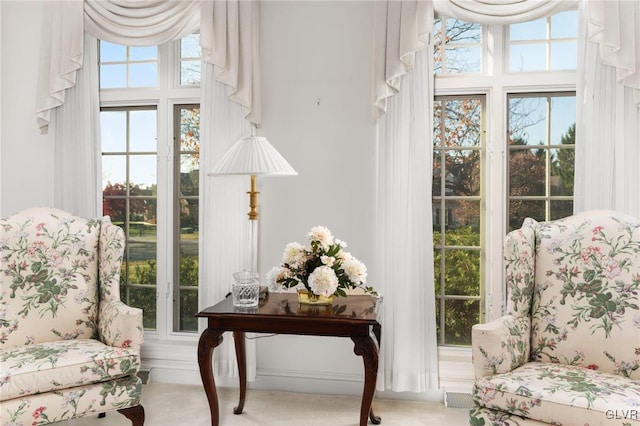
pixel 253 155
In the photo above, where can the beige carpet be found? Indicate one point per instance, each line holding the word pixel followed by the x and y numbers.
pixel 177 405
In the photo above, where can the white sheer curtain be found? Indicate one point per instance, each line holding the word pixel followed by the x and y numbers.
pixel 77 167
pixel 229 36
pixel 405 237
pixel 224 228
pixel 608 124
pixel 404 266
pixel 404 252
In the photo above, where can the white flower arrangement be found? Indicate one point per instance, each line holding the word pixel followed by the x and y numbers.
pixel 324 268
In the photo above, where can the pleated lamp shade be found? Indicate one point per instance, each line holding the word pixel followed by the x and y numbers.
pixel 253 155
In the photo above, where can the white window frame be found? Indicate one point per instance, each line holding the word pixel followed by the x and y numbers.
pixel 164 97
pixel 455 366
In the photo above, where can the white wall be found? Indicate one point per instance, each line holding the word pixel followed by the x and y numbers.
pixel 316 60
pixel 316 79
pixel 26 162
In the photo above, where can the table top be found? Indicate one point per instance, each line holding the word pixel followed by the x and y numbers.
pixel 281 313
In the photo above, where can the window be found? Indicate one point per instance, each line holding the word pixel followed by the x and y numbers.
pixel 457 47
pixel 150 121
pixel 457 222
pixel 124 66
pixel 504 126
pixel 187 184
pixel 544 44
pixel 129 197
pixel 541 156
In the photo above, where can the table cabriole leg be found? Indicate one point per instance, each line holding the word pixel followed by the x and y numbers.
pixel 241 359
pixel 368 349
pixel 208 341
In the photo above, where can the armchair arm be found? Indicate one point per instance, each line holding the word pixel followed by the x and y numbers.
pixel 120 325
pixel 501 345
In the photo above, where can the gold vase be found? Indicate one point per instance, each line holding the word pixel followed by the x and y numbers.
pixel 307 298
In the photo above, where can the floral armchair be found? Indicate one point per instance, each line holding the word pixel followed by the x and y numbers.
pixel 68 346
pixel 568 350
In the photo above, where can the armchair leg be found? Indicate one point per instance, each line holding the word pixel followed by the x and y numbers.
pixel 135 414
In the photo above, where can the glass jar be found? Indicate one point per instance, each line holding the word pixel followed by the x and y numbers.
pixel 245 289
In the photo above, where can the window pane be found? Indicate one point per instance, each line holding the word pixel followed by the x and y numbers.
pixel 145 298
pixel 110 52
pixel 521 209
pixel 190 129
pixel 188 310
pixel 527 57
pixel 460 316
pixel 462 272
pixel 462 32
pixel 142 262
pixel 562 171
pixel 142 171
pixel 113 131
pixel 458 47
pixel 143 128
pixel 143 53
pixel 190 46
pixel 564 55
pixel 531 30
pixel 142 219
pixel 190 72
pixel 115 208
pixel 462 123
pixel 463 60
pixel 187 139
pixel 437 124
pixel 527 171
pixel 563 120
pixel 436 187
pixel 564 24
pixel 189 176
pixel 143 75
pixel 113 76
pixel 528 120
pixel 560 209
pixel 462 173
pixel 114 169
pixel 464 215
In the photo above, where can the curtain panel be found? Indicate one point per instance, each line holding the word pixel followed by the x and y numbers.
pixel 402 31
pixel 402 70
pixel 608 122
pixel 228 33
pixel 68 94
pixel 77 163
pixel 614 26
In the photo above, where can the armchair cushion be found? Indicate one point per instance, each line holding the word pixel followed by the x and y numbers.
pixel 50 268
pixel 49 366
pixel 65 404
pixel 559 394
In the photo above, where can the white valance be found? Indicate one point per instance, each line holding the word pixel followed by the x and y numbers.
pixel 615 27
pixel 141 23
pixel 501 11
pixel 401 29
pixel 228 33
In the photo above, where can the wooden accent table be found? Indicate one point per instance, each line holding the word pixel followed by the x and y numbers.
pixel 354 316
